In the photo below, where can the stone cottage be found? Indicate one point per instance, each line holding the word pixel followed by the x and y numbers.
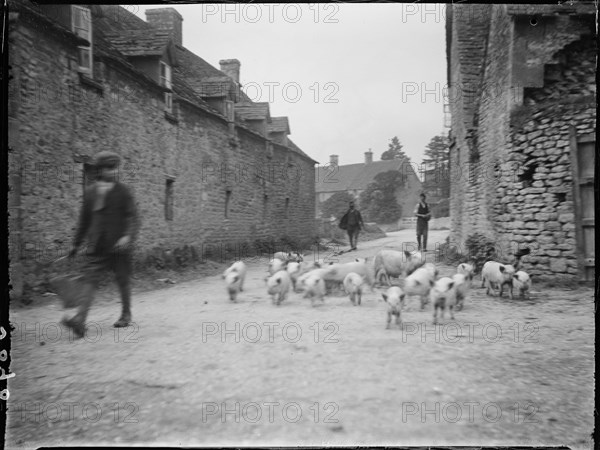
pixel 211 170
pixel 354 179
pixel 522 95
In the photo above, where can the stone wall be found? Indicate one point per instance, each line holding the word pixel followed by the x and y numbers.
pixel 510 161
pixel 55 117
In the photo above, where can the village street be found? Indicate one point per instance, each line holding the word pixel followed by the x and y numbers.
pixel 197 369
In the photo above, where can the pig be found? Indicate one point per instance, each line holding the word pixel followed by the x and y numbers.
pixel 337 272
pixel 466 269
pixel 314 285
pixel 278 286
pixel 443 295
pixel 461 285
pixel 394 297
pixel 420 282
pixel 389 263
pixel 522 282
pixel 293 269
pixel 289 256
pixel 234 277
pixel 276 265
pixel 497 274
pixel 353 286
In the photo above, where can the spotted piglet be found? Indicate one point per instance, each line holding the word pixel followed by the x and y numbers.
pixel 496 274
pixel 522 282
pixel 353 286
pixel 278 286
pixel 394 297
pixel 234 277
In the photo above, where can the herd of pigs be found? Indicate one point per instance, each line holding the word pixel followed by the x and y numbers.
pixel 290 271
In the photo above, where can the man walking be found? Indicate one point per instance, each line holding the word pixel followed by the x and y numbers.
pixel 352 222
pixel 423 216
pixel 108 219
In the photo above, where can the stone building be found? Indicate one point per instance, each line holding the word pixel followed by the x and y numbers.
pixel 354 179
pixel 209 168
pixel 522 100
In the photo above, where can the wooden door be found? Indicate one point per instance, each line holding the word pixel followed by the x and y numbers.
pixel 583 149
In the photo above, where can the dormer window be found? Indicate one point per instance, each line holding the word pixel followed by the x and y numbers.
pixel 165 81
pixel 81 20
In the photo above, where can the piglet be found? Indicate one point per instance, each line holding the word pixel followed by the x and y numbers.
pixel 276 265
pixel 443 295
pixel 353 283
pixel 419 283
pixel 278 286
pixel 234 277
pixel 466 269
pixel 394 297
pixel 522 282
pixel 314 286
pixel 461 285
pixel 497 274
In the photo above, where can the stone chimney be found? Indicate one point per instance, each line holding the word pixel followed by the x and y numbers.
pixel 368 157
pixel 231 68
pixel 166 19
pixel 333 160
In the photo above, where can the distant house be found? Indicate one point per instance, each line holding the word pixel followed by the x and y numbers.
pixel 354 179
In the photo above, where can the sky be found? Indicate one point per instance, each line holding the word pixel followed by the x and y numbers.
pixel 348 76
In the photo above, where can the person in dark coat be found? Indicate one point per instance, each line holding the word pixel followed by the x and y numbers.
pixel 109 221
pixel 423 215
pixel 352 222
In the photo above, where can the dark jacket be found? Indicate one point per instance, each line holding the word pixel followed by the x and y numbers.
pixel 351 220
pixel 103 228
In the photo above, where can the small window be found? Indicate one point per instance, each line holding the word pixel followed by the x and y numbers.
pixel 287 207
pixel 265 206
pixel 169 102
pixel 169 200
pixel 227 198
pixel 165 75
pixel 82 27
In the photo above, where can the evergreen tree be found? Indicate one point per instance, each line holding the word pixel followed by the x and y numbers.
pixel 394 150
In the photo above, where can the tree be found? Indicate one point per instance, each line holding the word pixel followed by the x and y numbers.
pixel 378 202
pixel 336 205
pixel 394 150
pixel 437 166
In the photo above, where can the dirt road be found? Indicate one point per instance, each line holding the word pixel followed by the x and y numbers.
pixel 199 370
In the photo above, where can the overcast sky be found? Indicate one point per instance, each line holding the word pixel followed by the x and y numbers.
pixel 351 76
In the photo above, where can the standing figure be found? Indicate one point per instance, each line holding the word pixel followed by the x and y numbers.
pixel 352 222
pixel 423 216
pixel 108 219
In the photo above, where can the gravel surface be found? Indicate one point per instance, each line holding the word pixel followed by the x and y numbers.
pixel 196 369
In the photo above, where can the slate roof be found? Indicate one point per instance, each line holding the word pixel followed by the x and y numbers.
pixel 549 9
pixel 279 125
pixel 354 176
pixel 293 147
pixel 253 111
pixel 140 42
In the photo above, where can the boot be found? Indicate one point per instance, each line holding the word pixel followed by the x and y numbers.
pixel 125 318
pixel 77 326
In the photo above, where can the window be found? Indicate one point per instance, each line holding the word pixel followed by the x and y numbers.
pixel 265 206
pixel 81 21
pixel 165 81
pixel 169 200
pixel 227 198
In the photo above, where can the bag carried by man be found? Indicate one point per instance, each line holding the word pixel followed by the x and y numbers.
pixel 344 222
pixel 68 287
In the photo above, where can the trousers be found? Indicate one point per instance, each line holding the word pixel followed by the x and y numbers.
pixel 353 236
pixel 93 269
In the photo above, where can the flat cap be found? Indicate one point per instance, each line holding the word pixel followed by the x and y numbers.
pixel 107 159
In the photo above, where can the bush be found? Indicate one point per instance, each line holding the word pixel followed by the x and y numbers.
pixel 480 249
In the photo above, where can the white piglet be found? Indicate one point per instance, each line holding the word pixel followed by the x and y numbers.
pixel 278 286
pixel 314 286
pixel 466 269
pixel 337 272
pixel 522 282
pixel 443 295
pixel 497 274
pixel 462 283
pixel 394 297
pixel 293 268
pixel 276 265
pixel 234 277
pixel 353 283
